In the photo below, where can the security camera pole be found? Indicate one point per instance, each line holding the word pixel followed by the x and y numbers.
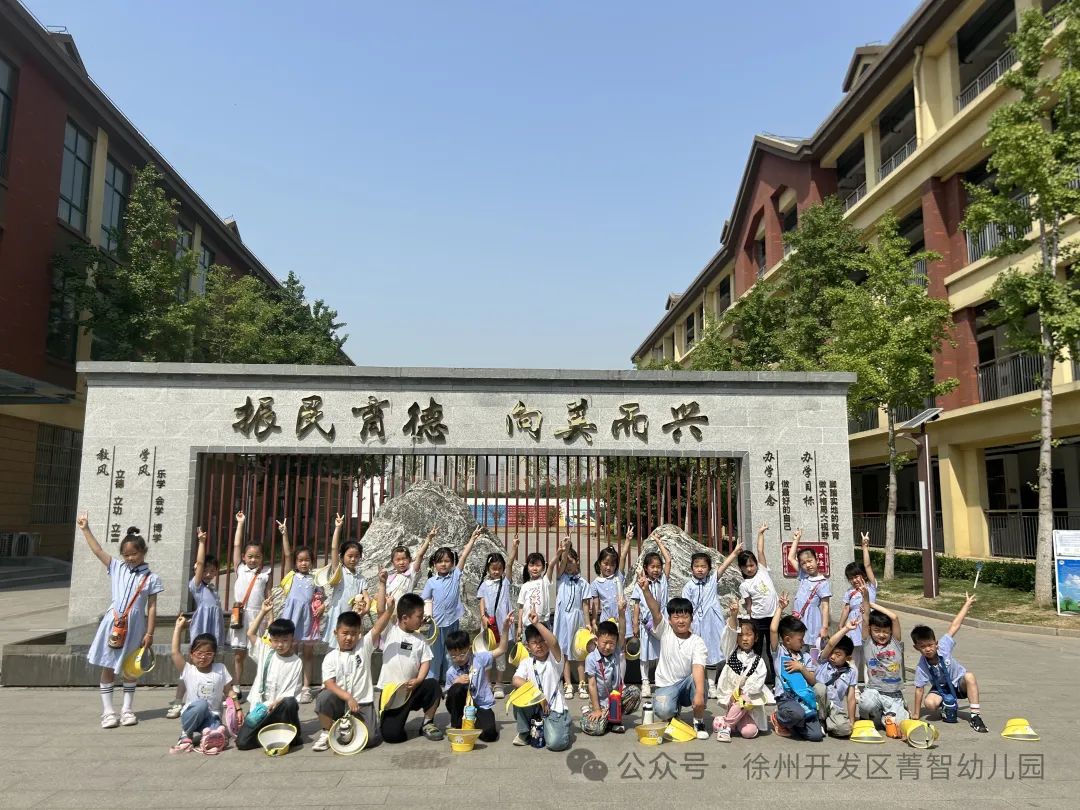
pixel 926 496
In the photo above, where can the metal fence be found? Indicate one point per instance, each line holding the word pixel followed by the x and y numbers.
pixel 908 531
pixel 1006 376
pixel 982 242
pixel 986 79
pixel 1015 532
pixel 896 158
pixel 853 198
pixel 540 498
pixel 867 420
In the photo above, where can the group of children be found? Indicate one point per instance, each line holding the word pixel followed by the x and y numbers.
pixel 746 655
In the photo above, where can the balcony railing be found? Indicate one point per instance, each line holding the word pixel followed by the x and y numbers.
pixel 851 199
pixel 788 247
pixel 908 530
pixel 920 275
pixel 1006 376
pixel 1015 532
pixel 992 234
pixel 897 157
pixel 867 420
pixel 986 79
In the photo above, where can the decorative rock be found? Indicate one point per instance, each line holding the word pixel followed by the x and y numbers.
pixel 405 520
pixel 682 547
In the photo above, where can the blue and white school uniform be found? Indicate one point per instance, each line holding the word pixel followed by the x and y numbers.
pixel 807 604
pixel 339 600
pixel 207 617
pixel 444 592
pixel 650 644
pixel 237 636
pixel 124 582
pixel 708 617
pixel 297 608
pixel 570 592
pixel 607 590
pixel 853 600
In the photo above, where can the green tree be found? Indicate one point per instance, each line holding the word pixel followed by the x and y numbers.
pixel 1035 143
pixel 750 336
pixel 887 330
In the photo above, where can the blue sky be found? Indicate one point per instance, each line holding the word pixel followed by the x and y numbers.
pixel 475 184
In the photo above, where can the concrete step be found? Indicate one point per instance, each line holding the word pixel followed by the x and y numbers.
pixel 18 572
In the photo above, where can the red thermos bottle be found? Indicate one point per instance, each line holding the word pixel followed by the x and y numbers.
pixel 615 707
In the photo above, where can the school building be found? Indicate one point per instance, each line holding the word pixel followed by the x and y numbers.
pixel 67 159
pixel 907 135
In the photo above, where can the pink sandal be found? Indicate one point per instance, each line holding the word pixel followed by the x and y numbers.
pixel 183 746
pixel 213 741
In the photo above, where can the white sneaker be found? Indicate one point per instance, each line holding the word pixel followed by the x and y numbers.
pixel 568 691
pixel 646 690
pixel 174 710
pixel 128 719
pixel 304 696
pixel 499 693
pixel 582 691
pixel 520 740
pixel 713 693
pixel 109 720
pixel 322 742
pixel 699 727
pixel 723 734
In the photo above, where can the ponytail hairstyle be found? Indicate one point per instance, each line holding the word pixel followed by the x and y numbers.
pixel 536 556
pixel 133 536
pixel 440 553
pixel 609 553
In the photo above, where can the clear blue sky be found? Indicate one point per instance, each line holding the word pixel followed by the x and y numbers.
pixel 475 184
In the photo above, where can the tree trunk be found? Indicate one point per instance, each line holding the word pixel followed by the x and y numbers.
pixel 890 511
pixel 1044 544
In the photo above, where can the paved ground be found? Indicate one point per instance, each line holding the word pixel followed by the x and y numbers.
pixel 55 755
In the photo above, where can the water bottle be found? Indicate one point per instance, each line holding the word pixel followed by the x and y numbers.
pixel 468 719
pixel 948 708
pixel 615 707
pixel 647 713
pixel 536 732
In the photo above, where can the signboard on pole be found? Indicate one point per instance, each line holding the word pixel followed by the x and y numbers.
pixel 1067 571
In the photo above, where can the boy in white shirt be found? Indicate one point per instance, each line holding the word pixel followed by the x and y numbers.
pixel 680 673
pixel 278 679
pixel 544 668
pixel 346 673
pixel 406 661
pixel 205 684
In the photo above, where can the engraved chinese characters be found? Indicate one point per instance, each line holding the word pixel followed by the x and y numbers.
pixel 133 499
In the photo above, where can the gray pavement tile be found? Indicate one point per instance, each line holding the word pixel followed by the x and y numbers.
pixel 29 798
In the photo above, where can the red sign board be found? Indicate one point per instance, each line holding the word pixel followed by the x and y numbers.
pixel 822 551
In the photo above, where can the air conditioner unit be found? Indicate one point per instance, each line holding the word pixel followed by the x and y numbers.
pixel 7 539
pixel 25 544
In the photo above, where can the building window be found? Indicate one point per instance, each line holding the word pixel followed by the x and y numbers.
pixel 759 256
pixel 206 260
pixel 117 186
pixel 62 334
pixel 75 177
pixel 184 240
pixel 723 296
pixel 658 354
pixel 689 334
pixel 7 93
pixel 56 475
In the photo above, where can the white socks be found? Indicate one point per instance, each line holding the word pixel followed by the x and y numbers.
pixel 106 697
pixel 129 696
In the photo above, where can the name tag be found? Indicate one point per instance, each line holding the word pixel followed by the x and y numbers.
pixel 406 646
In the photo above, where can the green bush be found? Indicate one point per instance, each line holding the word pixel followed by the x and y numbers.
pixel 1019 576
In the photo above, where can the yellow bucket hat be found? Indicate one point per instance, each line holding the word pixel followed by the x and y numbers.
pixel 528 694
pixel 429 631
pixel 1019 729
pixel 348 736
pixel 582 639
pixel 518 654
pixel 276 737
pixel 918 733
pixel 484 641
pixel 650 733
pixel 679 731
pixel 462 739
pixel 137 663
pixel 394 696
pixel 863 731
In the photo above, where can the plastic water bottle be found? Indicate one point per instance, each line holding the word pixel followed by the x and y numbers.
pixel 536 732
pixel 948 708
pixel 647 713
pixel 468 718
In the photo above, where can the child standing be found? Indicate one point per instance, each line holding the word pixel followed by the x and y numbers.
pixel 883 699
pixel 349 591
pixel 741 689
pixel 543 667
pixel 273 697
pixel 606 668
pixel 346 673
pixel 206 684
pixel 609 583
pixel 758 594
pixel 947 678
pixel 571 614
pixel 249 591
pixel 835 687
pixel 680 675
pixel 405 569
pixel 406 661
pixel 534 595
pixel 701 591
pixel 657 568
pixel 495 606
pixel 468 677
pixel 442 600
pixel 301 607
pixel 858 575
pixel 128 624
pixel 796 703
pixel 811 604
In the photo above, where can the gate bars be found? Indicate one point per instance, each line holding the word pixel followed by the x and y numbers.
pixel 539 497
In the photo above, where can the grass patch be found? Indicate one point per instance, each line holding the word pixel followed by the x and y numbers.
pixel 994 603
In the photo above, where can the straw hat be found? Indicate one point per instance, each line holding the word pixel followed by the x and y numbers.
pixel 1019 729
pixel 348 736
pixel 582 639
pixel 394 696
pixel 651 733
pixel 528 694
pixel 462 740
pixel 137 663
pixel 518 654
pixel 633 649
pixel 863 731
pixel 918 733
pixel 276 738
pixel 679 731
